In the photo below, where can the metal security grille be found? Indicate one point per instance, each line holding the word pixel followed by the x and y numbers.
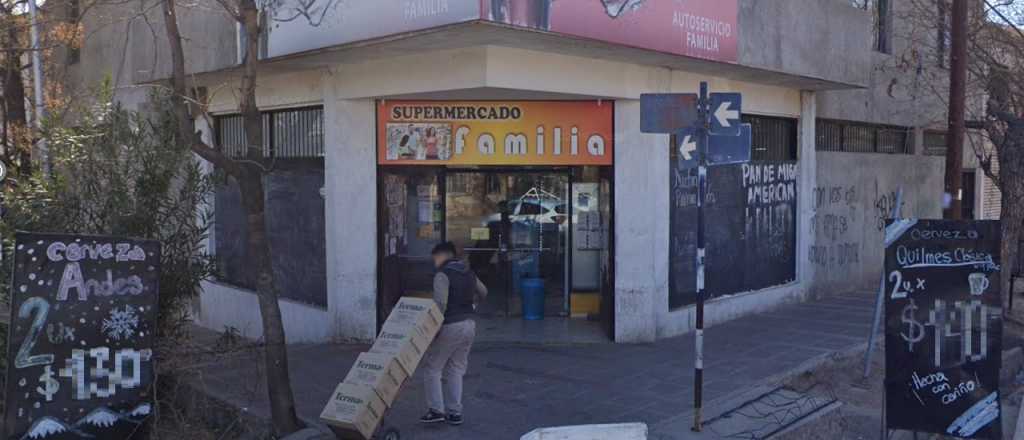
pixel 854 137
pixel 935 143
pixel 292 133
pixel 773 139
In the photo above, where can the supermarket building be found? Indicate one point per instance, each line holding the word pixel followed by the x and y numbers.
pixel 512 128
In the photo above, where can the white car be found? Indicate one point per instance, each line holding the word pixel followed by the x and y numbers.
pixel 538 210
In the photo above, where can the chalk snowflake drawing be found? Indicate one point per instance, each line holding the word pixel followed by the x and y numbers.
pixel 121 324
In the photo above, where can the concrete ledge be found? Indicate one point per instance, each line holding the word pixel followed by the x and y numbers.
pixel 224 306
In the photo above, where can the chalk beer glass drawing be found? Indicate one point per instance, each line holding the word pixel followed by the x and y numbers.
pixel 979 283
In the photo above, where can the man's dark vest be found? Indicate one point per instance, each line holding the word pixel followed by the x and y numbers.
pixel 461 291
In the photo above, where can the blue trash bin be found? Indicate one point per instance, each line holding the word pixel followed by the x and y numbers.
pixel 532 291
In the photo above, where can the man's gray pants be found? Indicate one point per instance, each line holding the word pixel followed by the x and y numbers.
pixel 447 359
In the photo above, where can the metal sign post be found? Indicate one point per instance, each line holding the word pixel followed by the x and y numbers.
pixel 702 187
pixel 709 132
pixel 880 299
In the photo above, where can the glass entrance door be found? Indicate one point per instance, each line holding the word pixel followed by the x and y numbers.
pixel 512 226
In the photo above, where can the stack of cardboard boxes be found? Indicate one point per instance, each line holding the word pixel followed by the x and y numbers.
pixel 371 386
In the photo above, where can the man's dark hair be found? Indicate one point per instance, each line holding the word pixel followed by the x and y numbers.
pixel 444 248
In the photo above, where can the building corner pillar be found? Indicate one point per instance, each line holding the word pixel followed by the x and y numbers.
pixel 808 178
pixel 350 176
pixel 641 226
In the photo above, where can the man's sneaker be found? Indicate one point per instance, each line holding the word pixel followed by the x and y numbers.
pixel 432 417
pixel 454 419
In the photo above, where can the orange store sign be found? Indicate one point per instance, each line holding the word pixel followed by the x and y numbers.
pixel 495 133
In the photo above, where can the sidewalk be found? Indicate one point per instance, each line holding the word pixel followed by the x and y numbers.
pixel 512 389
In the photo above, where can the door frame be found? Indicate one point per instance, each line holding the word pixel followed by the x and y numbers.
pixel 606 173
pixel 568 172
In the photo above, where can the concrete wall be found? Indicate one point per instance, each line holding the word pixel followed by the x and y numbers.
pixel 817 38
pixel 641 227
pixel 222 307
pixel 905 87
pixel 854 194
pixel 125 42
pixel 351 178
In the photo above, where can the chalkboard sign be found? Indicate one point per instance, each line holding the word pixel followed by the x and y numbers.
pixel 943 327
pixel 79 353
pixel 751 229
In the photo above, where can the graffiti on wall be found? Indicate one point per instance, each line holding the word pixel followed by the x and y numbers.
pixel 847 218
pixel 835 244
pixel 884 205
pixel 770 210
pixel 751 234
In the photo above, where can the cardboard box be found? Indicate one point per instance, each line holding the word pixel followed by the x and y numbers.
pixel 407 347
pixel 419 314
pixel 354 408
pixel 408 331
pixel 378 371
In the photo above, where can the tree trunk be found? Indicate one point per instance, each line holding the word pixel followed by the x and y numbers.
pixel 1010 223
pixel 279 388
pixel 249 175
pixel 15 114
pixel 1011 179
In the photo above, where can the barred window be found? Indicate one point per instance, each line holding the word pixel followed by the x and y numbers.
pixel 292 133
pixel 856 137
pixel 773 139
pixel 935 143
pixel 295 208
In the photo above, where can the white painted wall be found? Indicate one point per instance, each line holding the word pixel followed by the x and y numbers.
pixel 641 226
pixel 351 184
pixel 223 306
pixel 274 91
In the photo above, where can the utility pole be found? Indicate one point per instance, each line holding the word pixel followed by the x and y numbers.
pixel 957 103
pixel 42 154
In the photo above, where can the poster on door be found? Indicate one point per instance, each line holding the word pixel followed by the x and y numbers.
pixel 943 327
pixel 495 132
pixel 80 347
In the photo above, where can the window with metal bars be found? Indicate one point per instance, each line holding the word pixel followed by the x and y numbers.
pixel 883 31
pixel 856 137
pixel 291 133
pixel 294 205
pixel 935 143
pixel 773 138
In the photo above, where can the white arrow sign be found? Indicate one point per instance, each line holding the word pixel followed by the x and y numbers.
pixel 688 147
pixel 724 114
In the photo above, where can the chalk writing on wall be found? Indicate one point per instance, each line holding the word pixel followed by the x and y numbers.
pixel 943 332
pixel 80 354
pixel 751 235
pixel 832 227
